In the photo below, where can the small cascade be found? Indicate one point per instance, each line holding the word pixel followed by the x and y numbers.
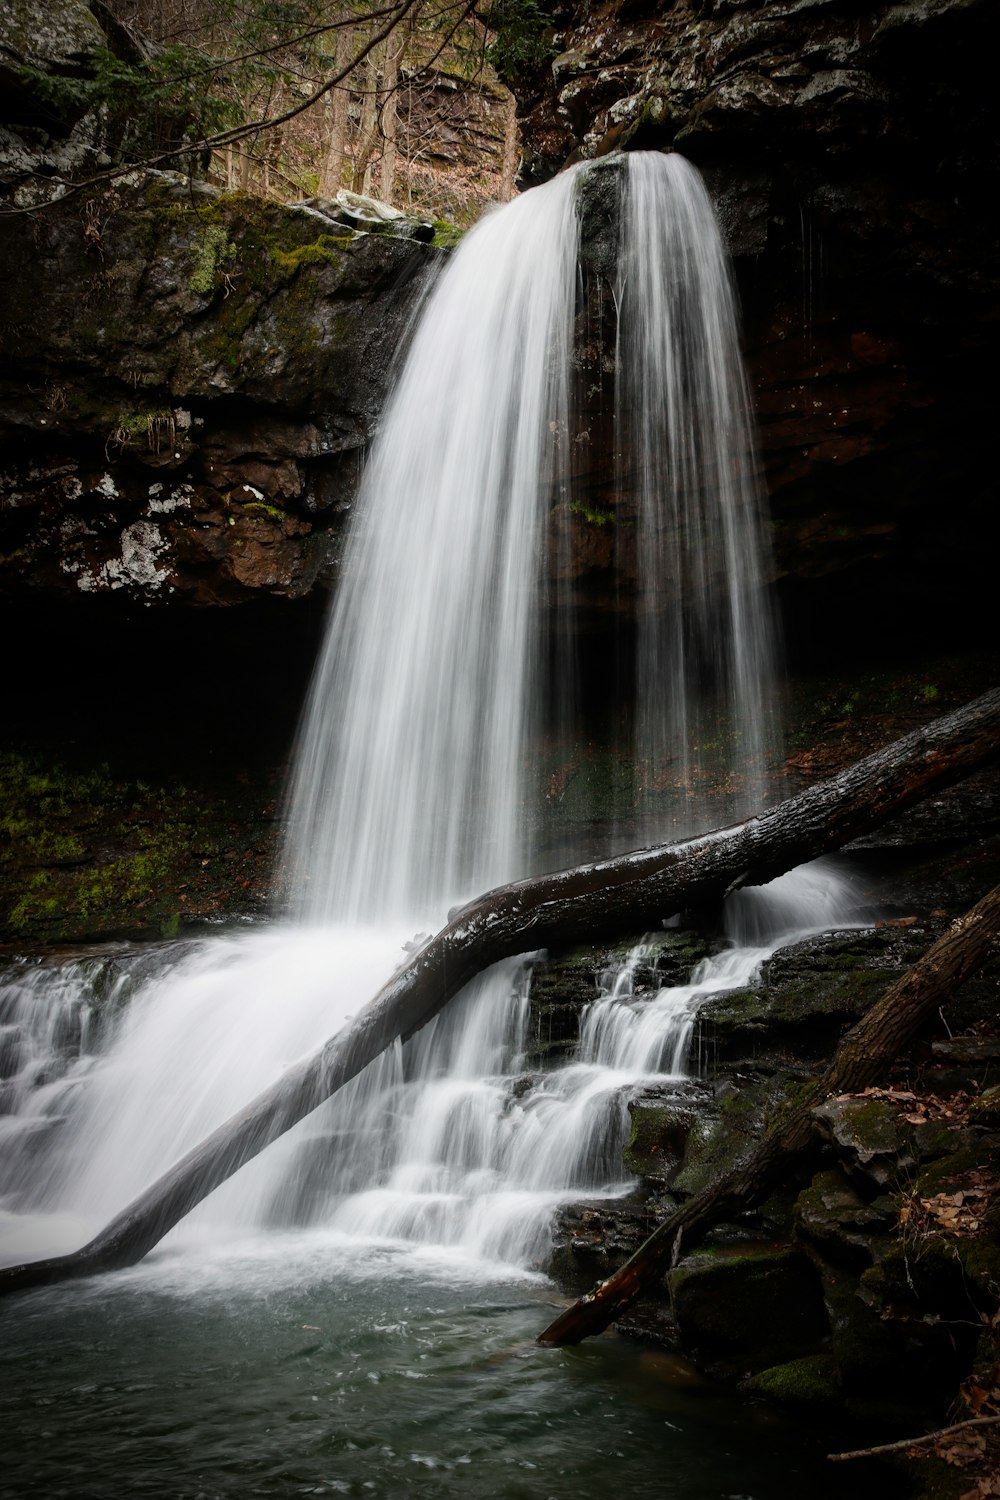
pixel 410 787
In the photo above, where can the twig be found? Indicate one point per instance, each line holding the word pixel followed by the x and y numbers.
pixel 917 1442
pixel 237 132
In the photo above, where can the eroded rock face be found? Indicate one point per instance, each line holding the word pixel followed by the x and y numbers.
pixel 191 379
pixel 849 150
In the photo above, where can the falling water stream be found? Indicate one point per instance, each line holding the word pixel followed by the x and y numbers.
pixel 396 1236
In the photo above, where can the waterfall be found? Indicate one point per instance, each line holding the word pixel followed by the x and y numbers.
pixel 408 786
pixel 411 788
pixel 704 700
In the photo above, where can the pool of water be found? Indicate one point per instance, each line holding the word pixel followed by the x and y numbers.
pixel 314 1365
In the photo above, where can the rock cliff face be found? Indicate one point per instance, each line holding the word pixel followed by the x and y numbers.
pixel 191 379
pixel 850 151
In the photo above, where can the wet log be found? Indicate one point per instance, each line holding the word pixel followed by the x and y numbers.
pixel 861 1059
pixel 607 899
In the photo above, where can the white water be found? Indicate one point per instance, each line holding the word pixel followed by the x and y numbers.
pixel 410 787
pixel 704 669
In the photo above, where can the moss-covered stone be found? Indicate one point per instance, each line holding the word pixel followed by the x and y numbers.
pixel 807 993
pixel 871 1138
pixel 661 1123
pixel 830 1213
pixel 725 1132
pixel 986 1109
pixel 810 1384
pixel 757 1309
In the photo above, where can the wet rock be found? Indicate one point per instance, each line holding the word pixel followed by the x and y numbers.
pixel 185 423
pixel 591 1240
pixel 725 1132
pixel 806 994
pixel 748 1311
pixel 811 1384
pixel 858 265
pixel 661 1123
pixel 832 1215
pixel 12 1051
pixel 564 984
pixel 872 1140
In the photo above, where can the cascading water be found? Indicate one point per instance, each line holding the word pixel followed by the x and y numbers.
pixel 410 784
pixel 704 699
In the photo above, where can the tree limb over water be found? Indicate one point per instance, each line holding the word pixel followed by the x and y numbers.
pixel 610 898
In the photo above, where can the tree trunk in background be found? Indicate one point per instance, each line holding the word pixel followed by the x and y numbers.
pixel 394 48
pixel 511 146
pixel 610 899
pixel 862 1057
pixel 368 128
pixel 336 120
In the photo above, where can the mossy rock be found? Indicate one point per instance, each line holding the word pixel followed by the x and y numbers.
pixel 565 983
pixel 88 852
pixel 986 1109
pixel 871 1138
pixel 937 1277
pixel 831 1213
pixel 661 1123
pixel 752 1310
pixel 810 1384
pixel 806 994
pixel 726 1131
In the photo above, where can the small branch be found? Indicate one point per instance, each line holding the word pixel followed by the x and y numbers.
pixel 237 132
pixel 917 1442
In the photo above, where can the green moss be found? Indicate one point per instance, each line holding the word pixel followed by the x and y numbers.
pixel 802 1383
pixel 715 1146
pixel 446 235
pixel 936 1276
pixel 212 251
pixel 262 508
pixel 522 37
pixel 80 846
pixel 657 1138
pixel 595 515
pixel 326 250
pixel 986 1109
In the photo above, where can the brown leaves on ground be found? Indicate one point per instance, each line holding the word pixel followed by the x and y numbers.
pixel 960 1212
pixel 983 1489
pixel 923 1108
pixel 978 1448
pixel 981 1394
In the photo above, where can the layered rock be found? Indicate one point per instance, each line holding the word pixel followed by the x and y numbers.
pixel 191 381
pixel 850 152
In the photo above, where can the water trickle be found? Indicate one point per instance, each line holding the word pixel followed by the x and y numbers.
pixel 410 786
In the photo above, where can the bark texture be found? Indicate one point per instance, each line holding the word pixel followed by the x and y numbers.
pixel 607 898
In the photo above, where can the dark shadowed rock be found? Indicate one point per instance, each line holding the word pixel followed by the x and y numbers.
pixel 190 384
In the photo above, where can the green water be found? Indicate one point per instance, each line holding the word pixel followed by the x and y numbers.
pixel 312 1366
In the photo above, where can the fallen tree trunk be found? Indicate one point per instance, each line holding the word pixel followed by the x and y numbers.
pixel 860 1060
pixel 606 899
